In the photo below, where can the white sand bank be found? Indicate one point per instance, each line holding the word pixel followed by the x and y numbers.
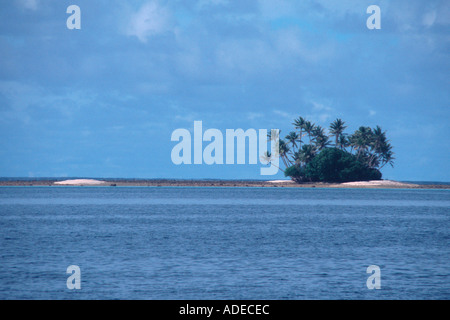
pixel 281 181
pixel 80 182
pixel 377 183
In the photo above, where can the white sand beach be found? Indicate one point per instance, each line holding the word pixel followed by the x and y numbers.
pixel 356 184
pixel 80 182
pixel 376 183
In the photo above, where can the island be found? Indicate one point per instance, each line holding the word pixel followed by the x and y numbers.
pixel 311 154
pixel 127 182
pixel 312 158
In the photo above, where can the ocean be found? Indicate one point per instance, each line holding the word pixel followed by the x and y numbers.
pixel 196 243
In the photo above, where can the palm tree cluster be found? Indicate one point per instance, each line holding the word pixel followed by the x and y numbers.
pixel 370 146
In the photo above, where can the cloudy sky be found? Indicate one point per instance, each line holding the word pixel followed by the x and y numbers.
pixel 103 101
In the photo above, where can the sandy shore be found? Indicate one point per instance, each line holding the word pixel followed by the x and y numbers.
pixel 387 184
pixel 378 183
pixel 80 182
pixel 281 181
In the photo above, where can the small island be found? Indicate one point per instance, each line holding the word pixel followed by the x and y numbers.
pixel 310 154
pixel 313 158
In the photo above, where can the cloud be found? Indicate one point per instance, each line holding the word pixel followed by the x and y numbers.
pixel 314 59
pixel 320 107
pixel 294 44
pixel 29 4
pixel 272 9
pixel 429 18
pixel 248 56
pixel 26 103
pixel 443 13
pixel 205 3
pixel 151 19
pixel 254 115
pixel 283 114
pixel 320 112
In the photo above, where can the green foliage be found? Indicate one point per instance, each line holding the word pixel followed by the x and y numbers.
pixel 296 173
pixel 310 155
pixel 335 165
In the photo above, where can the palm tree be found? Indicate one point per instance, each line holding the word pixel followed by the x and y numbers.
pixel 299 124
pixel 306 154
pixel 292 137
pixel 361 140
pixel 321 141
pixel 284 151
pixel 370 146
pixel 318 131
pixel 319 137
pixel 377 145
pixel 337 127
pixel 267 159
pixel 343 141
pixel 309 127
pixel 297 158
pixel 269 135
pixel 387 156
pixel 379 138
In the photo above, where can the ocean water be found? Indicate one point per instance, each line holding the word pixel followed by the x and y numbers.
pixel 223 243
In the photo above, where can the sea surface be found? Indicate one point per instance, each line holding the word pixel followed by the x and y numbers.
pixel 224 243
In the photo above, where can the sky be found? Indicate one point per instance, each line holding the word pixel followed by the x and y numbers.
pixel 103 100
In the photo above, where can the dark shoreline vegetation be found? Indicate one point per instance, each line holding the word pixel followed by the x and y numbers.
pixel 130 182
pixel 312 155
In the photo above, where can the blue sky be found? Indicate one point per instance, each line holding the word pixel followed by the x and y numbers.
pixel 103 101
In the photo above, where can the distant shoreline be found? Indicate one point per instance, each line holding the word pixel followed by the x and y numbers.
pixel 219 183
